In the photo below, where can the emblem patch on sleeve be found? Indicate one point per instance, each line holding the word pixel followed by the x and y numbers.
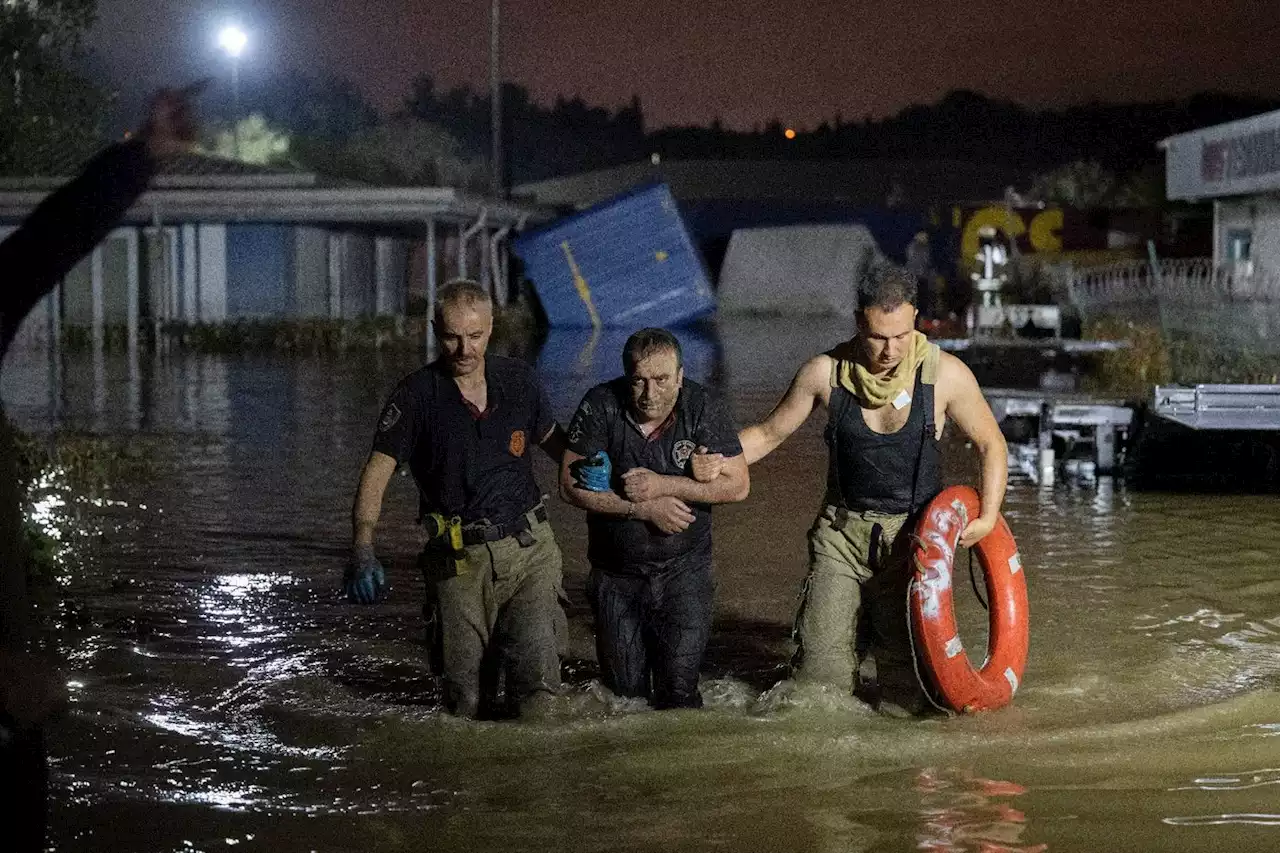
pixel 517 443
pixel 682 451
pixel 390 416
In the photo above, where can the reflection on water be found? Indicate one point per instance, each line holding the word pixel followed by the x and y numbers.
pixel 224 694
pixel 961 812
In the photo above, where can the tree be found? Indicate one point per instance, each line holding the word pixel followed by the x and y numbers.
pixel 403 151
pixel 1082 183
pixel 51 117
pixel 324 106
pixel 254 141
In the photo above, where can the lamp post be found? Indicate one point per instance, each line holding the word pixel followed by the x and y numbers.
pixel 497 184
pixel 233 40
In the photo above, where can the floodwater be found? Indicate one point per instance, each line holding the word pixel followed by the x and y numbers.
pixel 226 697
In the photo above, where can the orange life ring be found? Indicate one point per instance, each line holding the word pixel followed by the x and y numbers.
pixel 933 618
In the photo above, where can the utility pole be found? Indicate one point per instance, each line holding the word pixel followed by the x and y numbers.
pixel 497 182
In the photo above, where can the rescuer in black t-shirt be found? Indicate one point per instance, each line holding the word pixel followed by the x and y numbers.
pixel 466 425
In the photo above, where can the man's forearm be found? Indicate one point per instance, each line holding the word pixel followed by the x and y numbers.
pixel 364 518
pixel 367 507
pixel 723 489
pixel 605 503
pixel 756 443
pixel 995 477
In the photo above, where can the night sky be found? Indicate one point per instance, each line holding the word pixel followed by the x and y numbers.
pixel 746 62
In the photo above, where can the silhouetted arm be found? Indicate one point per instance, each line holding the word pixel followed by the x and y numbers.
pixel 65 227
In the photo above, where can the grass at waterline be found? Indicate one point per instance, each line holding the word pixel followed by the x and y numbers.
pixel 57 471
pixel 312 335
pixel 1152 358
pixel 1130 371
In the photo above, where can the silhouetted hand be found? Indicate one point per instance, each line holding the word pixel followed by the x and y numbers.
pixel 170 127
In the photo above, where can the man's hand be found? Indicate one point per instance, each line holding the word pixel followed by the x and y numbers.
pixel 976 530
pixel 670 515
pixel 705 466
pixel 364 580
pixel 594 473
pixel 642 485
pixel 170 127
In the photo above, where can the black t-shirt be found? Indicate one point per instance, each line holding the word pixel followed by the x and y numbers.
pixel 602 422
pixel 477 466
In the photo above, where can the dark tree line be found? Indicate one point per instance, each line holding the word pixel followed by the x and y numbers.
pixel 570 136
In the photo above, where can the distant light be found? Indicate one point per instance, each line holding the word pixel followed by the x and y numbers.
pixel 655 158
pixel 233 40
pixel 789 133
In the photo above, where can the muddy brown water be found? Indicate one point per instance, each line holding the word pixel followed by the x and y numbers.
pixel 226 697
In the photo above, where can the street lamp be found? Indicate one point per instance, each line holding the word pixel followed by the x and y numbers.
pixel 233 40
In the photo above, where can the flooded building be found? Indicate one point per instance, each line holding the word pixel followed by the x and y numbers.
pixel 216 241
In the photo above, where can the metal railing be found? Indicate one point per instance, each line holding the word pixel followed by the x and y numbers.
pixel 1234 307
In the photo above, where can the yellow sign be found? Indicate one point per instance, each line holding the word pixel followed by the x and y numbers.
pixel 1044 233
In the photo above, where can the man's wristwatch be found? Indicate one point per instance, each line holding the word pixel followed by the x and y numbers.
pixel 631 510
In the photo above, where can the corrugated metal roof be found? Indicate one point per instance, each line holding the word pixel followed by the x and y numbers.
pixel 387 205
pixel 201 170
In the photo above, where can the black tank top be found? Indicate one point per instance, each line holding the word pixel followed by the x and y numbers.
pixel 898 472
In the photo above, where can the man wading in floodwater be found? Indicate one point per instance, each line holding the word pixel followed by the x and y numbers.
pixel 888 392
pixel 635 445
pixel 466 425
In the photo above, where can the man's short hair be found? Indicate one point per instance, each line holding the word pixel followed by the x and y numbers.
pixel 460 291
pixel 646 342
pixel 886 286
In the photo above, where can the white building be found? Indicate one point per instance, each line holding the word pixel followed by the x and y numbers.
pixel 1237 167
pixel 213 241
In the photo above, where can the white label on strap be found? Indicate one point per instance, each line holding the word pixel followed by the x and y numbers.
pixel 1015 563
pixel 954 647
pixel 902 400
pixel 1012 679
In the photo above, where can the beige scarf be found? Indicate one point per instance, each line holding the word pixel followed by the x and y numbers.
pixel 877 391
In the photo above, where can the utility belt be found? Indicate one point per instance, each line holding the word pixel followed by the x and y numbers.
pixel 843 509
pixel 841 513
pixel 448 533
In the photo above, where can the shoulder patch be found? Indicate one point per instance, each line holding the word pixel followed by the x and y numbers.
pixel 390 416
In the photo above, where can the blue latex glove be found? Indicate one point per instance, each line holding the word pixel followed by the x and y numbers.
pixel 595 472
pixel 364 580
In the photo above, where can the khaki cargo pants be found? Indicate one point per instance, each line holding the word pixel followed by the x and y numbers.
pixel 505 606
pixel 858 568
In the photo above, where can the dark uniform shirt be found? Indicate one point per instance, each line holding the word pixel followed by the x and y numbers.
pixel 477 465
pixel 602 422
